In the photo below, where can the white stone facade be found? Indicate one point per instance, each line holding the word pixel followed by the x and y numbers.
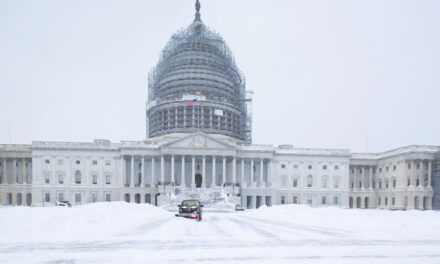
pixel 147 171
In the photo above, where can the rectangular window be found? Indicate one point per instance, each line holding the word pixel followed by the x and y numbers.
pixel 94 197
pixel 336 182
pixel 94 162
pixel 394 183
pixel 108 197
pixel 60 162
pixel 380 169
pixel 393 201
pixel 95 179
pixel 386 200
pixel 335 200
pixel 295 182
pixel 78 162
pixel 324 167
pixel 388 168
pixel 283 199
pixel 394 167
pixel 295 166
pixel 409 166
pixel 324 200
pixel 295 200
pixel 283 166
pixel 47 161
pixel 309 201
pixel 336 167
pixel 324 182
pixel 108 179
pixel 47 197
pixel 60 179
pixel 77 198
pixel 46 178
pixel 60 197
pixel 108 162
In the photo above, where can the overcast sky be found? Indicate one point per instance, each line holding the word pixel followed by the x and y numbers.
pixel 360 75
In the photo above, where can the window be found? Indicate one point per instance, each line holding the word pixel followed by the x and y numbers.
pixel 309 201
pixel 336 167
pixel 408 181
pixel 386 200
pixel 47 197
pixel 108 197
pixel 335 200
pixel 47 178
pixel 324 167
pixel 295 200
pixel 388 168
pixel 108 179
pixel 378 201
pixel 380 169
pixel 283 181
pixel 60 179
pixel 107 162
pixel 418 165
pixel 77 177
pixel 60 197
pixel 295 166
pixel 310 167
pixel 394 167
pixel 283 166
pixel 47 161
pixel 60 162
pixel 295 182
pixel 78 162
pixel 94 162
pixel 393 201
pixel 324 200
pixel 417 182
pixel 77 198
pixel 95 179
pixel 283 199
pixel 309 181
pixel 409 166
pixel 336 182
pixel 324 182
pixel 380 185
pixel 386 184
pixel 94 197
pixel 394 183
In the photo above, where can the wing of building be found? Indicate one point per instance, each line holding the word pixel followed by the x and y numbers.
pixel 199 145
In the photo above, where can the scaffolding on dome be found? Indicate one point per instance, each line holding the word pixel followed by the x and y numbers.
pixel 196 86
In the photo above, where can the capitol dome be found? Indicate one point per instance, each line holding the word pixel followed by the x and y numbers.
pixel 196 86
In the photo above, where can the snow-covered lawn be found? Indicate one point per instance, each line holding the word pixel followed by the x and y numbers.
pixel 129 233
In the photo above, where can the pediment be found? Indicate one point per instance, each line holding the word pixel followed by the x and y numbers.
pixel 199 141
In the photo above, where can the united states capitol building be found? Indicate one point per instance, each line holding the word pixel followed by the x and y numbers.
pixel 199 144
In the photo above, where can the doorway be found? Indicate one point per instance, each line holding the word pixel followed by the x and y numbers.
pixel 199 180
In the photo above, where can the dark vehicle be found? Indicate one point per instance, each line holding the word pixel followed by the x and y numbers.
pixel 239 208
pixel 190 209
pixel 63 203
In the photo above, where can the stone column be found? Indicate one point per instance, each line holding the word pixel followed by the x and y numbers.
pixel 4 172
pixel 371 178
pixel 24 171
pixel 162 170
pixel 143 171
pixel 153 182
pixel 252 172
pixel 234 171
pixel 224 172
pixel 132 172
pixel 261 173
pixel 122 169
pixel 173 180
pixel 203 171
pixel 182 184
pixel 429 174
pixel 243 184
pixel 193 171
pixel 411 176
pixel 421 173
pixel 213 172
pixel 363 178
pixel 269 174
pixel 354 178
pixel 14 172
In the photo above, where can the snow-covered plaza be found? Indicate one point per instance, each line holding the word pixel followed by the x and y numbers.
pixel 120 232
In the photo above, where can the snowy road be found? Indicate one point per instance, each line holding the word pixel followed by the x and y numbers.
pixel 127 233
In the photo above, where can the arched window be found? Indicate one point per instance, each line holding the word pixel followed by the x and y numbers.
pixel 77 177
pixel 309 181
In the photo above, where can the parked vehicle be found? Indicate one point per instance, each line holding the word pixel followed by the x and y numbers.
pixel 63 203
pixel 239 208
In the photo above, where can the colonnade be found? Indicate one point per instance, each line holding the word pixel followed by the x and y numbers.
pixel 363 176
pixel 419 179
pixel 15 178
pixel 254 177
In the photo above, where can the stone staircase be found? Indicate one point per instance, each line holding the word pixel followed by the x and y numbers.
pixel 210 197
